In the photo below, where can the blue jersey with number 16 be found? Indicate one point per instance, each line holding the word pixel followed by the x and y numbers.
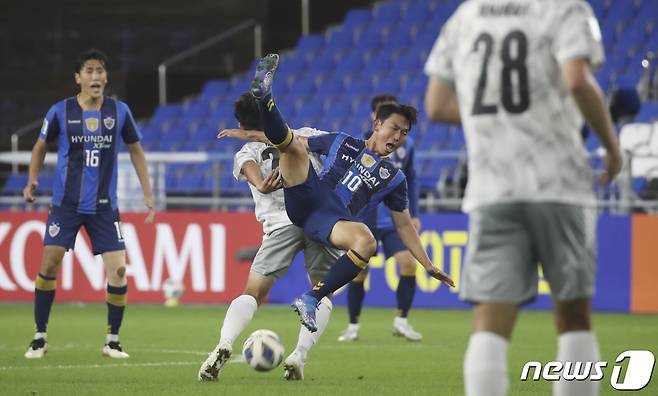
pixel 86 177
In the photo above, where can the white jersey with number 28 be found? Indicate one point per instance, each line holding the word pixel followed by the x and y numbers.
pixel 522 126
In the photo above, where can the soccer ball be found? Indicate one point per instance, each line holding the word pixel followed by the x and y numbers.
pixel 263 350
pixel 173 290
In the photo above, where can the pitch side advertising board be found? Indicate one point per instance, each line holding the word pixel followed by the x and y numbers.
pixel 201 249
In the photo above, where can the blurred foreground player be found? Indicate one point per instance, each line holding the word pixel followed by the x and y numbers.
pixel 517 75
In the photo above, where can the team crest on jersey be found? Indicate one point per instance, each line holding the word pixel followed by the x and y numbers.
pixel 53 230
pixel 108 122
pixel 92 124
pixel 367 160
pixel 384 173
pixel 44 126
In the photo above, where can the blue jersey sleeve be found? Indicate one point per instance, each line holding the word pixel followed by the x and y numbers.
pixel 412 187
pixel 50 128
pixel 129 133
pixel 321 144
pixel 396 200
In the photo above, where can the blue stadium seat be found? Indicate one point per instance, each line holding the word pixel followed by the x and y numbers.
pixel 386 13
pixel 359 85
pixel 648 112
pixel 15 183
pixel 357 18
pixel 368 40
pixel 339 40
pixel 215 88
pixel 350 64
pixel 331 86
pixel 310 43
pixel 620 12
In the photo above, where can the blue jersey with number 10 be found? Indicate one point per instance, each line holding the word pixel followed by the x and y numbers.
pixel 86 177
pixel 359 177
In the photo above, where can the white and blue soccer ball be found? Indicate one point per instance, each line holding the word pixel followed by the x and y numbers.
pixel 263 350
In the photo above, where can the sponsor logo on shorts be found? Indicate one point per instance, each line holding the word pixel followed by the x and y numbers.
pixel 53 230
pixel 639 368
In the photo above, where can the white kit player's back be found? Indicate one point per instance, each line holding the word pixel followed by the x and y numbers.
pixel 521 125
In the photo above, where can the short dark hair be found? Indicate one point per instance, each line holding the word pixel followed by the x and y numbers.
pixel 91 53
pixel 247 113
pixel 386 110
pixel 378 100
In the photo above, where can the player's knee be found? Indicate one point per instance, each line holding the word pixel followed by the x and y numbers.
pixel 573 317
pixel 121 271
pixel 407 265
pixel 49 265
pixel 365 243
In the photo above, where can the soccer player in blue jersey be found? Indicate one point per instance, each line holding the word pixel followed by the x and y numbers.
pixel 329 207
pixel 381 224
pixel 86 128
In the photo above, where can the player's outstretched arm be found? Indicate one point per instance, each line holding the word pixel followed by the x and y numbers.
pixel 244 134
pixel 441 103
pixel 270 183
pixel 578 79
pixel 36 162
pixel 409 236
pixel 139 163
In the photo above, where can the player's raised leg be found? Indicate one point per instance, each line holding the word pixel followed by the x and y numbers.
pixel 45 285
pixel 405 293
pixel 238 316
pixel 294 160
pixel 360 245
pixel 116 297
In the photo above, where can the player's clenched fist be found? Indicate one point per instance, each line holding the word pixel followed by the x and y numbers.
pixel 28 191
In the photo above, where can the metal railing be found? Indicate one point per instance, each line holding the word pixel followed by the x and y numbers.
pixel 31 126
pixel 617 198
pixel 162 68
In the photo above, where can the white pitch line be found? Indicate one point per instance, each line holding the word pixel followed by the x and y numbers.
pixel 116 365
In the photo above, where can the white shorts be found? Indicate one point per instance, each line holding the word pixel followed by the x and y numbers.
pixel 507 241
pixel 280 247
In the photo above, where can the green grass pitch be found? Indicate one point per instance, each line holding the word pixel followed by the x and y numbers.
pixel 167 346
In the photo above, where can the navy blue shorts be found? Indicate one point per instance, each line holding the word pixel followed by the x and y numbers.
pixel 315 208
pixel 390 240
pixel 103 228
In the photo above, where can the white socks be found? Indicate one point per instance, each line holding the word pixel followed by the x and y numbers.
pixel 238 316
pixel 577 346
pixel 38 335
pixel 111 338
pixel 307 339
pixel 485 365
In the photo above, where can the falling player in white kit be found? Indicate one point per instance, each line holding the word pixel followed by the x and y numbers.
pixel 281 243
pixel 517 76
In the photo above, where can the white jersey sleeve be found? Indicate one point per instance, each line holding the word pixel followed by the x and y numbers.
pixel 439 63
pixel 270 208
pixel 577 34
pixel 316 159
pixel 521 124
pixel 248 152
